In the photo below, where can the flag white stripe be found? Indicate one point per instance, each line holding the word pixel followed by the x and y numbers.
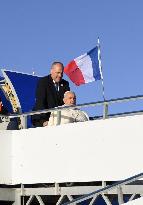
pixel 85 65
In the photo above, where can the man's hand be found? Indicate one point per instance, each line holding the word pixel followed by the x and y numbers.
pixel 45 123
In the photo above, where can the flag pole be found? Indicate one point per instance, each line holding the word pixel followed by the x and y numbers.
pixel 100 68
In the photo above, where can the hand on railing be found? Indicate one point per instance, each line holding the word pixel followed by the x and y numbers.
pixel 45 123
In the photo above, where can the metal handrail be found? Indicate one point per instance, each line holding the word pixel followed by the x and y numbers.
pixel 105 189
pixel 118 100
pixel 106 103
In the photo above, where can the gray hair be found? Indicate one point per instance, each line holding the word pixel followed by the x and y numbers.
pixel 57 62
pixel 65 94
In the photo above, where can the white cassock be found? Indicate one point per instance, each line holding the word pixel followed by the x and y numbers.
pixel 70 115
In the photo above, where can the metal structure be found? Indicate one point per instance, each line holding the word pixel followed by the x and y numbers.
pixel 119 191
pixel 68 193
pixel 64 195
pixel 9 87
pixel 105 105
pixel 71 192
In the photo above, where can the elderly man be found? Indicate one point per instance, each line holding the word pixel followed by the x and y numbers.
pixel 49 94
pixel 69 115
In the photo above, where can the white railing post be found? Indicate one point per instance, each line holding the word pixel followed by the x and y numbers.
pixel 23 122
pixel 105 110
pixel 120 195
pixel 17 200
pixel 58 117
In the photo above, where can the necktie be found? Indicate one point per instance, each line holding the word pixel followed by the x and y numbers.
pixel 57 86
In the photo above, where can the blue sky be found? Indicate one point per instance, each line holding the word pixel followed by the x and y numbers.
pixel 35 33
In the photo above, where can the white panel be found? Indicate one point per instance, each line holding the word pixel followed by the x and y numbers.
pixel 105 150
pixel 5 157
pixel 136 202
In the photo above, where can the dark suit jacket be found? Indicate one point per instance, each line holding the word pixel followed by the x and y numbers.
pixel 48 97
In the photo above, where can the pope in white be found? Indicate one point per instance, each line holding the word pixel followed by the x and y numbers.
pixel 69 115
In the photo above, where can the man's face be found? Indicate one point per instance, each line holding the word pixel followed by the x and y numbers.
pixel 70 99
pixel 57 72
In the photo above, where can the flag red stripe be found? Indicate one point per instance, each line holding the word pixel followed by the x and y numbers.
pixel 74 73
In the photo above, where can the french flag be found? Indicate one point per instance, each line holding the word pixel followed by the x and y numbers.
pixel 85 68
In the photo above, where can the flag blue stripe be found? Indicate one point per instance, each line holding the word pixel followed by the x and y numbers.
pixel 95 63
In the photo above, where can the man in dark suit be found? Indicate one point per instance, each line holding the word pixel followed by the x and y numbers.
pixel 50 93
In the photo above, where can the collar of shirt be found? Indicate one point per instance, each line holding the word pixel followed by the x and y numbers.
pixel 56 85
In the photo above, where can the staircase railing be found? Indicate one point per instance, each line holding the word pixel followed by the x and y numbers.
pixel 117 185
pixel 105 105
